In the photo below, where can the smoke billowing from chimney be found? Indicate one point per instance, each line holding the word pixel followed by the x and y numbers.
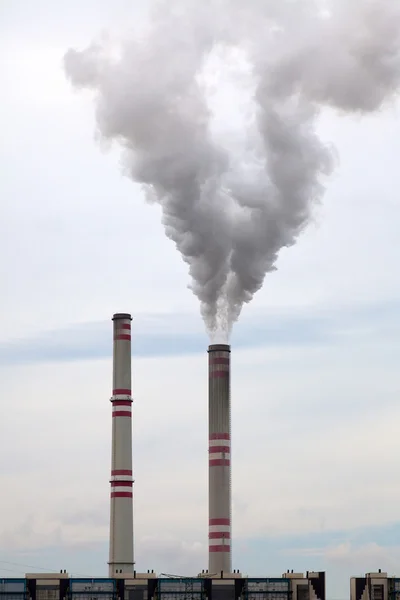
pixel 231 202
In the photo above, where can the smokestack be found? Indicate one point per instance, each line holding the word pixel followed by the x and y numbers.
pixel 219 470
pixel 121 501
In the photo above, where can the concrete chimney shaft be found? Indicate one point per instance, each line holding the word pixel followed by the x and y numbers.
pixel 219 470
pixel 121 501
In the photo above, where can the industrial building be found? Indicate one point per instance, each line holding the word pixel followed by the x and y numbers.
pixel 375 586
pixel 147 586
pixel 218 582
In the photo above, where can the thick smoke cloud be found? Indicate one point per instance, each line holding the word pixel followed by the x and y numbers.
pixel 231 203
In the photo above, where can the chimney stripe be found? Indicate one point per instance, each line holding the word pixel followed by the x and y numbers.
pixel 219 548
pixel 219 361
pixel 216 535
pixel 122 403
pixel 214 374
pixel 219 462
pixel 121 413
pixel 219 436
pixel 116 483
pixel 219 521
pixel 121 495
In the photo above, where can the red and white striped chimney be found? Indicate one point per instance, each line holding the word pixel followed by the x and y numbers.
pixel 121 501
pixel 219 429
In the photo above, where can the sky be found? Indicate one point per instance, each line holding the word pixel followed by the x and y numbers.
pixel 315 383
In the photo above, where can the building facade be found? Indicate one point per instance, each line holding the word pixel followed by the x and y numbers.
pixel 375 586
pixel 147 586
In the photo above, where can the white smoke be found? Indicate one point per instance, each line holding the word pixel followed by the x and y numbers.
pixel 230 203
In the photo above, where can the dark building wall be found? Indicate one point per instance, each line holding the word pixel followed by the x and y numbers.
pixel 318 585
pixel 361 584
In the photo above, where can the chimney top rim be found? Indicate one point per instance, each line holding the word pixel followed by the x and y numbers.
pixel 219 348
pixel 118 316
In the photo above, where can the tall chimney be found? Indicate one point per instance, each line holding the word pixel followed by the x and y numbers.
pixel 121 501
pixel 219 470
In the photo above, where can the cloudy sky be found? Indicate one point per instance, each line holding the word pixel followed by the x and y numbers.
pixel 314 385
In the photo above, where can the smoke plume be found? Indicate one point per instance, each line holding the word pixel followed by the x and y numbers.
pixel 235 190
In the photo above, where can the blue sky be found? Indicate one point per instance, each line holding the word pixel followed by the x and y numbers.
pixel 315 382
pixel 182 334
